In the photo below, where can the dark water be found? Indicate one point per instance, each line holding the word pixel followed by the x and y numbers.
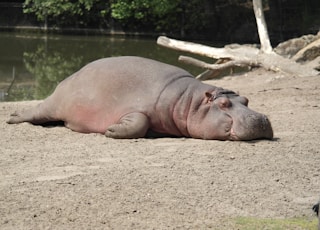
pixel 31 65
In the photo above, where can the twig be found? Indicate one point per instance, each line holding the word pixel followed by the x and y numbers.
pixel 13 79
pixel 231 63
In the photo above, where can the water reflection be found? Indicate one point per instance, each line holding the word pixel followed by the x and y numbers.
pixel 49 68
pixel 32 65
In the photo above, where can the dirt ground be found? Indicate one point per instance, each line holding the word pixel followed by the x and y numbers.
pixel 53 178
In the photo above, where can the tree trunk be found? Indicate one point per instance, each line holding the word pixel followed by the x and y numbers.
pixel 262 27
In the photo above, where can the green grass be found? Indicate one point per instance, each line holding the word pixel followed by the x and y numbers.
pixel 251 223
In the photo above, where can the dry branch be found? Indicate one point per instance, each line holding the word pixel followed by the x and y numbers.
pixel 241 54
pixel 208 51
pixel 208 74
pixel 225 65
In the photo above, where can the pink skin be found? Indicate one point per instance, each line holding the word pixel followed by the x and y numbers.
pixel 127 97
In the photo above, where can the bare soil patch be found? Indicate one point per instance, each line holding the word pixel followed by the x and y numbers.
pixel 53 178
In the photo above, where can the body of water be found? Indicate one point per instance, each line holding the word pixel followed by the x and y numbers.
pixel 31 65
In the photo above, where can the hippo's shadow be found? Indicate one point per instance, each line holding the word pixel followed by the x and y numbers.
pixel 150 133
pixel 52 124
pixel 154 135
pixel 262 139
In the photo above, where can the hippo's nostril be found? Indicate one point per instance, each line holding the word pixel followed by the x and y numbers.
pixel 266 128
pixel 252 120
pixel 265 123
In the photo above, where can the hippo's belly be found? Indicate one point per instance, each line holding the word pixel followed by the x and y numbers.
pixel 95 116
pixel 88 119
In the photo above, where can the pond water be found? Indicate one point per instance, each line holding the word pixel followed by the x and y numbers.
pixel 31 65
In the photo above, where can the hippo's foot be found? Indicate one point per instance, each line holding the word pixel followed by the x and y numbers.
pixel 132 125
pixel 15 118
pixel 35 116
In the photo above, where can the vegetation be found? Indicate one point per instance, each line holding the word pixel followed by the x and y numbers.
pixel 44 8
pixel 141 9
pixel 61 12
pixel 233 18
pixel 168 15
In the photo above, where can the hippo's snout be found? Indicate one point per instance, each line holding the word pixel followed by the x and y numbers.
pixel 261 126
pixel 253 126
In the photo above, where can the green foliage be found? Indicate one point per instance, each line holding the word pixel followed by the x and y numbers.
pixel 44 8
pixel 232 19
pixel 139 9
pixel 49 68
pixel 161 15
pixel 66 12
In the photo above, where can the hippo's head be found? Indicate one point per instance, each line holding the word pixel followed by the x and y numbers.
pixel 226 116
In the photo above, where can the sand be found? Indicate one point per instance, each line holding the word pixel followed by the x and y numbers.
pixel 53 178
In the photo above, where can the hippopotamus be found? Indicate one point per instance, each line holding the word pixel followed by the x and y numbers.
pixel 134 97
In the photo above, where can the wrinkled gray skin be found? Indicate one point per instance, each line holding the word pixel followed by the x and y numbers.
pixel 128 97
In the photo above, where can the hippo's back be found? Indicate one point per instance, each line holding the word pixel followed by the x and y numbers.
pixel 128 68
pixel 125 73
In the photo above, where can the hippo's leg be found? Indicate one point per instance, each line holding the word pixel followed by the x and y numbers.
pixel 39 115
pixel 132 125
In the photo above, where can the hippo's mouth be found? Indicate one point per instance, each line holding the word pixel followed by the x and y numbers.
pixel 230 131
pixel 233 136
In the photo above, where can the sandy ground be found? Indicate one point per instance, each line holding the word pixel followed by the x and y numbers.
pixel 53 178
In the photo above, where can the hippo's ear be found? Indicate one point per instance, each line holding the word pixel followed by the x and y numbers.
pixel 209 97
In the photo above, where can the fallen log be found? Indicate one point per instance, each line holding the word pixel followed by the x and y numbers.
pixel 239 55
